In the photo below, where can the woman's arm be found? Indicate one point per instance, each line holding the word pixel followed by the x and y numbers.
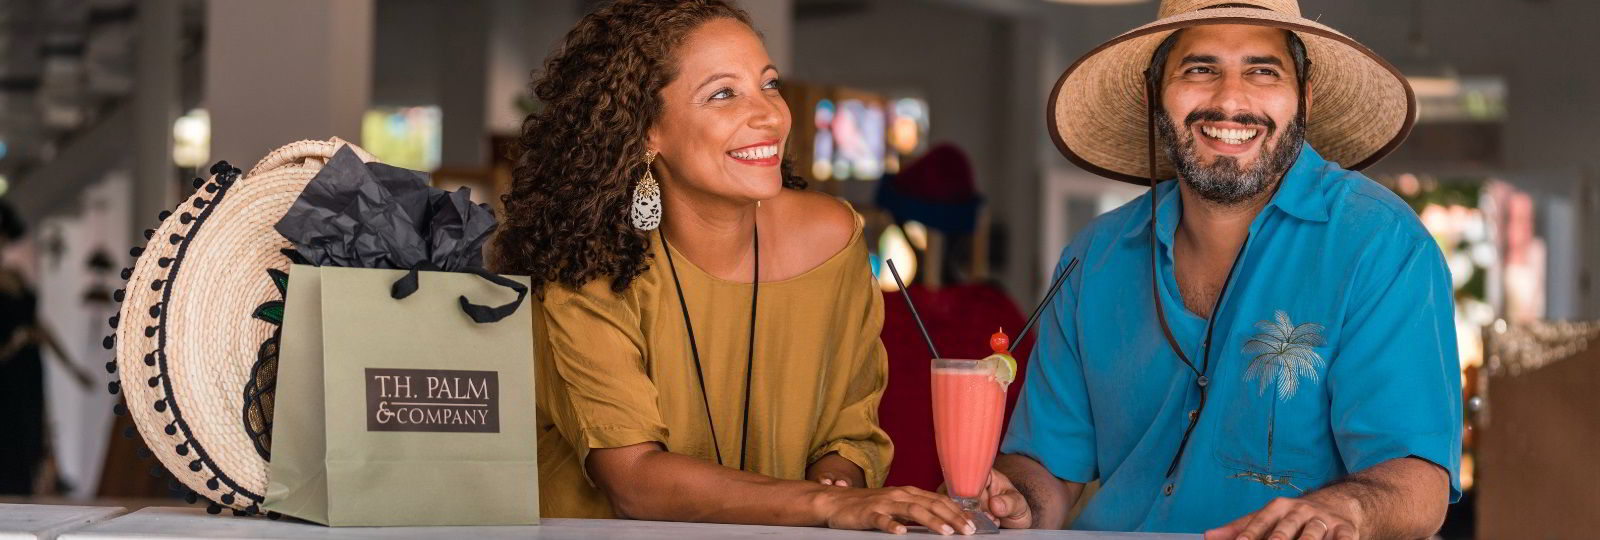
pixel 645 482
pixel 856 451
pixel 47 339
pixel 835 470
pixel 19 339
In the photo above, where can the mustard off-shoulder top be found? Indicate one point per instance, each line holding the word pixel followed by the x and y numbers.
pixel 615 369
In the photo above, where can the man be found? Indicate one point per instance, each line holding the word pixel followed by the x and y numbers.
pixel 1264 348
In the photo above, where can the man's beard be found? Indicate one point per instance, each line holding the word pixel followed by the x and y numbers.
pixel 1223 181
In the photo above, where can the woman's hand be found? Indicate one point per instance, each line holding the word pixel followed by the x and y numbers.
pixel 835 470
pixel 888 509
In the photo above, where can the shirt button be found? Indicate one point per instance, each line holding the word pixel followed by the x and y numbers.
pixel 1168 490
pixel 1192 415
pixel 1203 381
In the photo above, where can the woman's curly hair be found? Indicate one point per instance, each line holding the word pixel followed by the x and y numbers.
pixel 566 215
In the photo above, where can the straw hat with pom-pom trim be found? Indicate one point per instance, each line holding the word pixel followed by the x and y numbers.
pixel 1364 107
pixel 196 337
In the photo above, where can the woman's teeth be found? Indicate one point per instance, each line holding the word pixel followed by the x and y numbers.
pixel 1230 136
pixel 754 153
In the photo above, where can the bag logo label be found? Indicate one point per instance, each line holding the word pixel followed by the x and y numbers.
pixel 439 400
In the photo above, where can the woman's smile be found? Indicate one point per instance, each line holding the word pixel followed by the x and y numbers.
pixel 761 154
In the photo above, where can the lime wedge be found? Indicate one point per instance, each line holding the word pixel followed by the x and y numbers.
pixel 1005 367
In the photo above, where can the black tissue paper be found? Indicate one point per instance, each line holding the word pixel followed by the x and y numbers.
pixel 372 215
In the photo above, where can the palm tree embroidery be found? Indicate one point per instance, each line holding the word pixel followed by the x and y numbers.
pixel 1284 354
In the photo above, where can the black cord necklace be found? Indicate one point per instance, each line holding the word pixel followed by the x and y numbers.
pixel 1202 381
pixel 750 358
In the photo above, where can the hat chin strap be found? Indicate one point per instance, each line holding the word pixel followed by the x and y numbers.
pixel 1155 260
pixel 1201 380
pixel 1155 284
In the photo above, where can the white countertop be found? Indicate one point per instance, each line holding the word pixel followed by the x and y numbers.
pixel 154 523
pixel 45 522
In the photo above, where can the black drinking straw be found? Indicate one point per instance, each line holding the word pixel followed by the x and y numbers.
pixel 1054 288
pixel 914 316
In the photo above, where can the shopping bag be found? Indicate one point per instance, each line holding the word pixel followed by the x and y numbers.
pixel 405 409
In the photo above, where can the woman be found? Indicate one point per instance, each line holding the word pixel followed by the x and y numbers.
pixel 707 343
pixel 24 450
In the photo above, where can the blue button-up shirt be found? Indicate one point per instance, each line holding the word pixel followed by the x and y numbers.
pixel 1334 350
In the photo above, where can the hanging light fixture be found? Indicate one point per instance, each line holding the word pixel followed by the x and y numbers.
pixel 1430 78
pixel 1100 2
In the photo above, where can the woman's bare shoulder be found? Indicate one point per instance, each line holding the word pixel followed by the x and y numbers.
pixel 813 226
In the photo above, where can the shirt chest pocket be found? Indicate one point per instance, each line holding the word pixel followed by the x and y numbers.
pixel 1272 416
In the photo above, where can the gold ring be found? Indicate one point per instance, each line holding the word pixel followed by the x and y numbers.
pixel 1324 524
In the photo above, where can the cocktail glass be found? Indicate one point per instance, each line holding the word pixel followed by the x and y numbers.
pixel 969 405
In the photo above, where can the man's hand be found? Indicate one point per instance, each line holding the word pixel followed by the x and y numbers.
pixel 1314 517
pixel 1400 498
pixel 1004 503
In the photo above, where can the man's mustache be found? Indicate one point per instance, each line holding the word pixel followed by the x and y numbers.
pixel 1216 115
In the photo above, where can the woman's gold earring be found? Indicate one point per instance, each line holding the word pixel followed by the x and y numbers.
pixel 647 198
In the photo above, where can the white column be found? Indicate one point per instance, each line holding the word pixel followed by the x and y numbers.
pixel 285 70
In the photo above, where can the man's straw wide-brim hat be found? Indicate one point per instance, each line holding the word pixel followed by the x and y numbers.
pixel 196 338
pixel 1362 107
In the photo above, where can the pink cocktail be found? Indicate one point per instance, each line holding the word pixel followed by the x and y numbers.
pixel 969 404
